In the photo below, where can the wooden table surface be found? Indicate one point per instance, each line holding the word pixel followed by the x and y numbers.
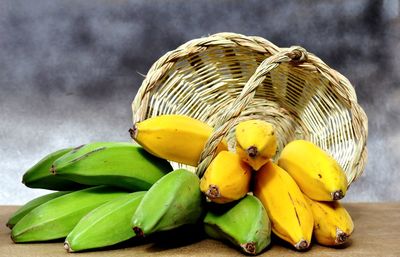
pixel 377 233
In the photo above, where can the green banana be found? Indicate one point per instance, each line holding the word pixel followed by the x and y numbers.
pixel 246 225
pixel 56 218
pixel 106 225
pixel 117 164
pixel 38 176
pixel 173 201
pixel 26 208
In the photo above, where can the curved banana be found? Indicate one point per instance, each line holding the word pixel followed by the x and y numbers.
pixel 290 215
pixel 246 225
pixel 106 225
pixel 56 218
pixel 177 138
pixel 119 164
pixel 332 223
pixel 318 174
pixel 38 176
pixel 173 201
pixel 256 142
pixel 226 179
pixel 32 204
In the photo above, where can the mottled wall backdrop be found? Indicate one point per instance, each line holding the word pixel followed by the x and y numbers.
pixel 70 69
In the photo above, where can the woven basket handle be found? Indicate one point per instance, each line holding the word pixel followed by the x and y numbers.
pixel 229 117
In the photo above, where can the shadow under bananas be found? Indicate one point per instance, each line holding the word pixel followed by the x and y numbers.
pixel 176 238
pixel 52 241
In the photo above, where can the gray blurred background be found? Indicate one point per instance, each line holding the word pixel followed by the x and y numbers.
pixel 70 69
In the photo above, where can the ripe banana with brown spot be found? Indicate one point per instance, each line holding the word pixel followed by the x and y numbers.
pixel 177 138
pixel 226 179
pixel 317 173
pixel 332 223
pixel 290 215
pixel 256 142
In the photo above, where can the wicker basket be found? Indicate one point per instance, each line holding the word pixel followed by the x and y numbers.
pixel 225 78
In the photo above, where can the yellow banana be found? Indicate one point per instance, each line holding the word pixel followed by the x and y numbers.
pixel 332 223
pixel 255 142
pixel 226 179
pixel 176 138
pixel 318 174
pixel 291 217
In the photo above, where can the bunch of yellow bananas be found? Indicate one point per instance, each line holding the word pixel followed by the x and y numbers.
pixel 113 191
pixel 300 192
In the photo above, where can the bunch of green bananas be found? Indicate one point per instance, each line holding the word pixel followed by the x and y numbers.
pixel 107 192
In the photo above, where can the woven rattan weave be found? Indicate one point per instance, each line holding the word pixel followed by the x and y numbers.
pixel 226 77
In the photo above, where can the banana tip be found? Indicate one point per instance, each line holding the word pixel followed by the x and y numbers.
pixel 133 131
pixel 138 231
pixel 12 238
pixel 68 247
pixel 213 192
pixel 249 247
pixel 337 195
pixel 302 245
pixel 341 236
pixel 252 151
